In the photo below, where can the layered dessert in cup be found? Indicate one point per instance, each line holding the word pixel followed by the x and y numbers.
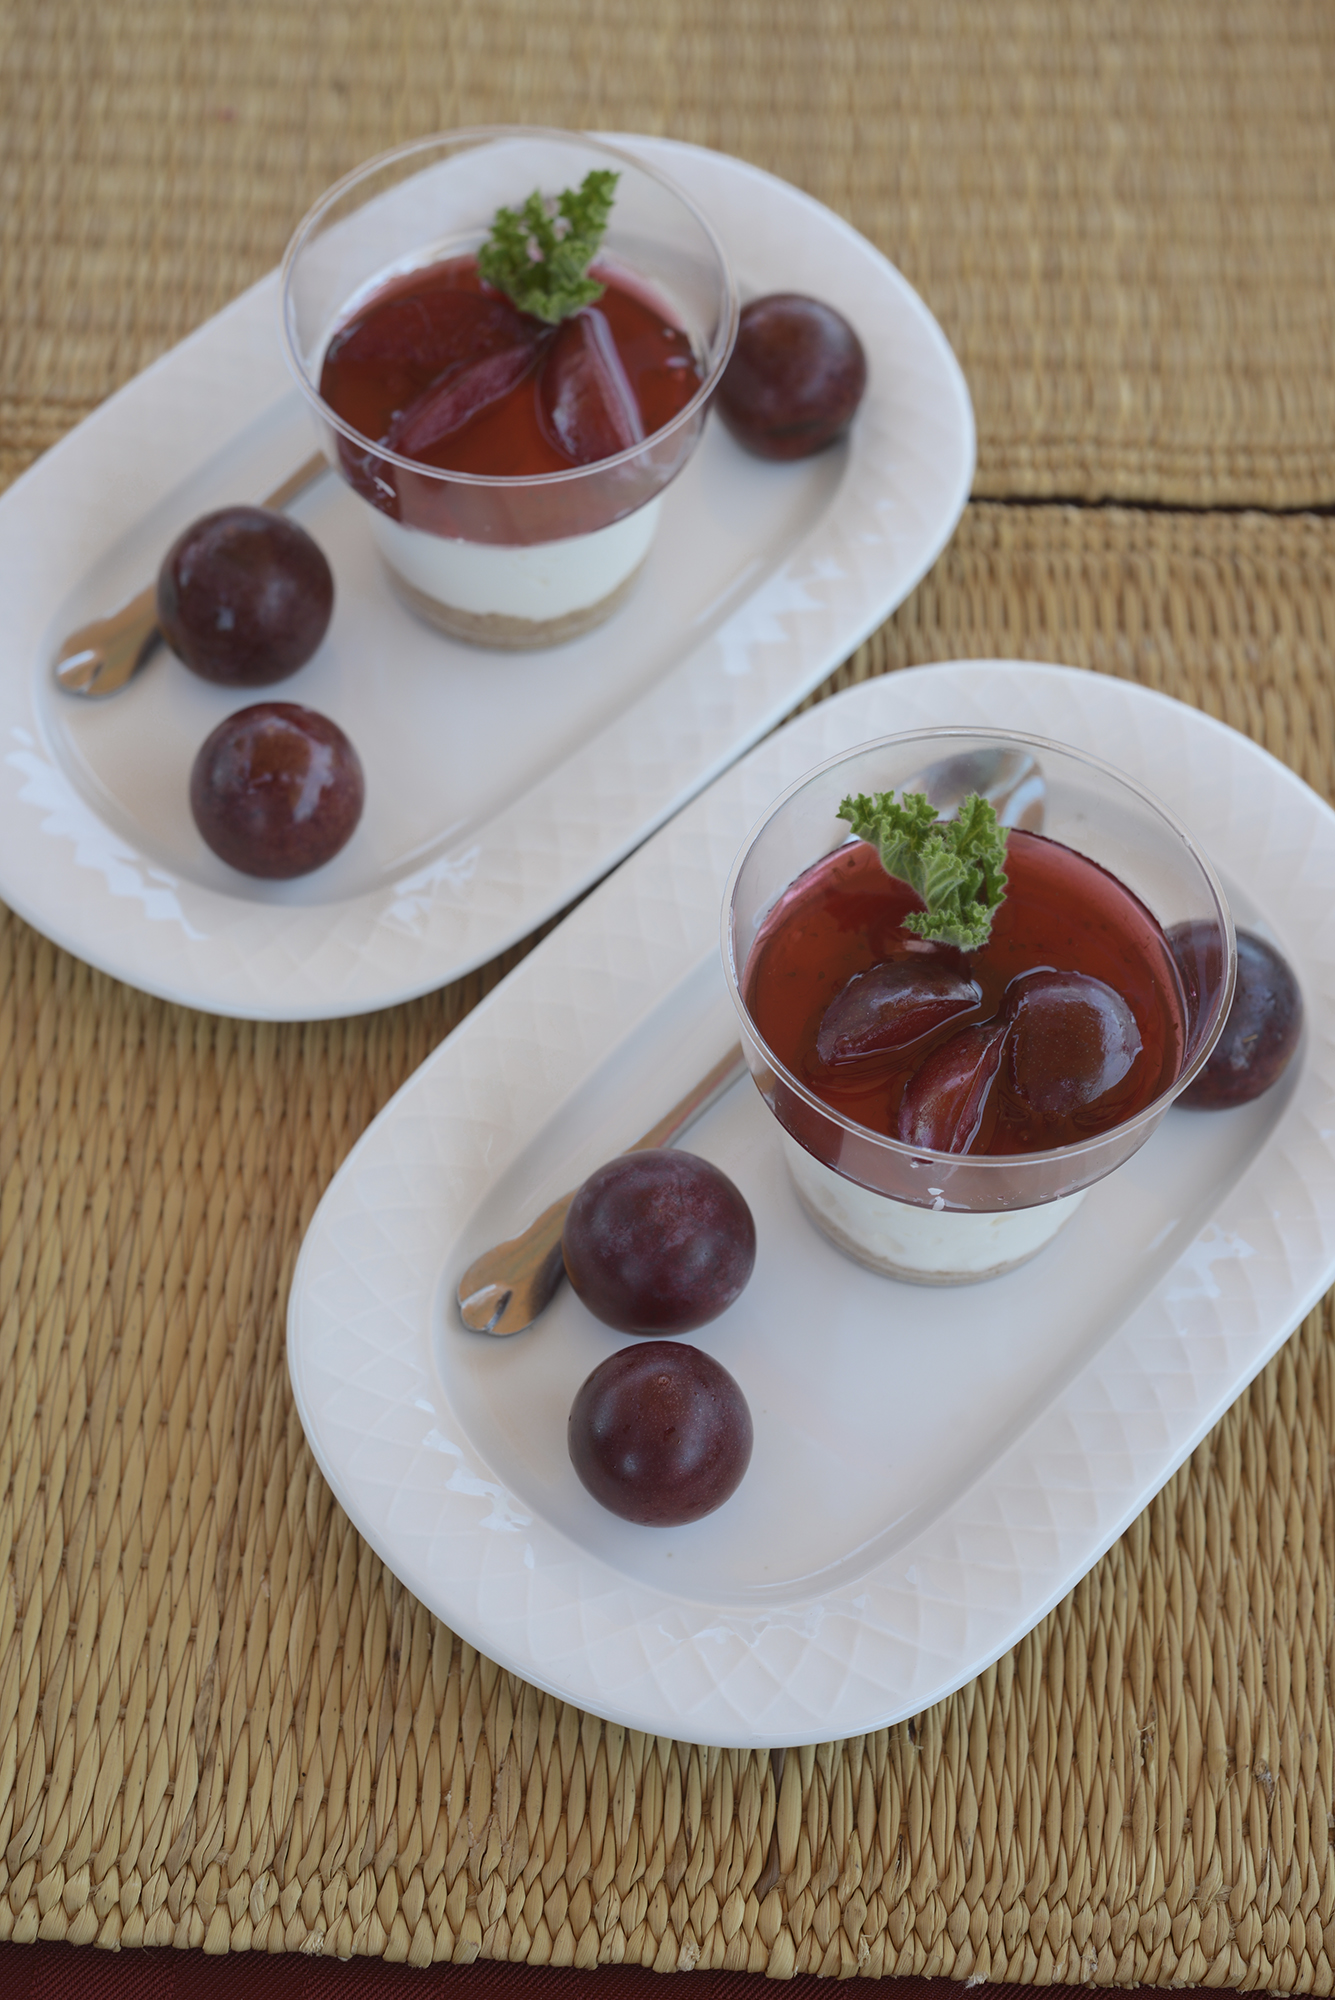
pixel 944 1107
pixel 511 464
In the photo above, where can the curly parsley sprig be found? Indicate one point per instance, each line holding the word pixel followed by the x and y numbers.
pixel 956 866
pixel 539 255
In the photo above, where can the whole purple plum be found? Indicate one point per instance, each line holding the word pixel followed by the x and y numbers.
pixel 658 1242
pixel 244 597
pixel 1260 1034
pixel 660 1434
pixel 795 377
pixel 277 790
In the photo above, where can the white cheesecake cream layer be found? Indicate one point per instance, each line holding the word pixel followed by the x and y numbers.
pixel 547 584
pixel 924 1245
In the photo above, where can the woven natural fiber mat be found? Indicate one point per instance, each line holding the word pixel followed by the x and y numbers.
pixel 223 1723
pixel 1122 212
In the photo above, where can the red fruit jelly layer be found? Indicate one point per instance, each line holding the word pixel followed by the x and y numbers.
pixel 442 330
pixel 1061 912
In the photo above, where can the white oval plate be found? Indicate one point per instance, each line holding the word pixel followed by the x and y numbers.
pixel 498 786
pixel 933 1469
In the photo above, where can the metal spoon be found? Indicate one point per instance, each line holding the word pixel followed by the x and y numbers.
pixel 506 1288
pixel 1010 779
pixel 102 656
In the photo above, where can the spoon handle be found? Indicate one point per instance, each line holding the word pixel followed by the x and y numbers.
pixel 102 656
pixel 507 1287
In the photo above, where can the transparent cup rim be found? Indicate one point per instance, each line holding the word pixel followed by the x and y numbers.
pixel 1052 1156
pixel 501 481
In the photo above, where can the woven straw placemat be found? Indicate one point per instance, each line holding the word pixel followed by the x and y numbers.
pixel 223 1723
pixel 1123 212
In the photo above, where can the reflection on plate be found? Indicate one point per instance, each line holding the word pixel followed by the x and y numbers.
pixel 933 1469
pixel 498 786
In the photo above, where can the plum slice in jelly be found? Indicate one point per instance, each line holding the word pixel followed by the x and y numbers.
pixel 459 396
pixel 1073 1039
pixel 588 405
pixel 894 1004
pixel 947 1098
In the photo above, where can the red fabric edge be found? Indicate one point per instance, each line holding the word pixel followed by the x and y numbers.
pixel 72 1972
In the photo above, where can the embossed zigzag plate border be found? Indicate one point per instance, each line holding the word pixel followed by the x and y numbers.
pixel 561 779
pixel 431 1438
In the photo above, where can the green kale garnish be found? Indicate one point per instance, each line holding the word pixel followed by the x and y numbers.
pixel 539 255
pixel 956 866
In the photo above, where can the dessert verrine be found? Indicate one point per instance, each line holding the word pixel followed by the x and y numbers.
pixel 945 1099
pixel 511 446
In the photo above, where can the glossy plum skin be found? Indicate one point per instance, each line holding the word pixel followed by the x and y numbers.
pixel 1261 1032
pixel 947 1098
pixel 893 1005
pixel 446 407
pixel 1198 953
pixel 588 408
pixel 244 597
pixel 1073 1039
pixel 277 790
pixel 660 1434
pixel 795 379
pixel 658 1242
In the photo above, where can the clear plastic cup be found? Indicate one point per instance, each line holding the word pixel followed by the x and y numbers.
pixel 506 562
pixel 943 1218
